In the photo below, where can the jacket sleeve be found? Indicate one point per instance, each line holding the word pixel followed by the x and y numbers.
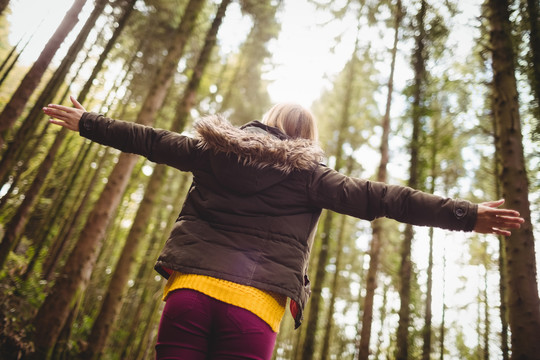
pixel 370 200
pixel 160 146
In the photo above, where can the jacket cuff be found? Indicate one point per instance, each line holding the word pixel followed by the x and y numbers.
pixel 87 124
pixel 466 211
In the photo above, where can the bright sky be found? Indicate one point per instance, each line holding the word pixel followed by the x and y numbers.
pixel 301 53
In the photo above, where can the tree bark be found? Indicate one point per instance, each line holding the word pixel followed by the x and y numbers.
pixel 534 44
pixel 68 229
pixel 402 345
pixel 113 298
pixel 523 300
pixel 503 271
pixel 377 225
pixel 13 61
pixel 76 273
pixel 28 127
pixel 325 352
pixel 131 315
pixel 427 330
pixel 126 13
pixel 9 55
pixel 308 348
pixel 40 233
pixel 16 104
pixel 16 225
pixel 487 322
pixel 114 295
pixel 382 315
pixel 3 5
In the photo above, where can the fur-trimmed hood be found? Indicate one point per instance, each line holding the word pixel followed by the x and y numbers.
pixel 258 145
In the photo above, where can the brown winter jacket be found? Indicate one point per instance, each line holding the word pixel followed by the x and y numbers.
pixel 251 213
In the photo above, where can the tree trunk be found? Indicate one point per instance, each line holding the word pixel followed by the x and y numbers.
pixel 13 61
pixel 149 323
pixel 16 104
pixel 442 332
pixel 503 271
pixel 377 225
pixel 146 270
pixel 308 348
pixel 8 56
pixel 28 127
pixel 57 210
pixel 113 298
pixel 402 351
pixel 66 233
pixel 426 348
pixel 3 5
pixel 382 315
pixel 60 351
pixel 402 338
pixel 114 295
pixel 69 226
pixel 487 323
pixel 503 296
pixel 426 332
pixel 523 300
pixel 18 221
pixel 78 268
pixel 534 43
pixel 121 24
pixel 325 353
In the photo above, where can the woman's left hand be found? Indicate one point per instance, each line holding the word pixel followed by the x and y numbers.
pixel 491 220
pixel 66 116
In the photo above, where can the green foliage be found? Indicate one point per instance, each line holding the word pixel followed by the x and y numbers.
pixel 5 47
pixel 244 96
pixel 464 352
pixel 362 114
pixel 19 301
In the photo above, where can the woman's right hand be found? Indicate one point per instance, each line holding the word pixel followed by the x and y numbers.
pixel 65 116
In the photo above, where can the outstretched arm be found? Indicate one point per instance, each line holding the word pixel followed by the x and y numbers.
pixel 370 200
pixel 160 146
pixel 65 116
pixel 491 220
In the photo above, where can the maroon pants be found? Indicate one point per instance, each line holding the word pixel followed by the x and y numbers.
pixel 195 326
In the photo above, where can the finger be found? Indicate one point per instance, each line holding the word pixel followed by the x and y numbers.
pixel 55 113
pixel 509 226
pixel 60 107
pixel 76 103
pixel 509 212
pixel 494 204
pixel 511 218
pixel 510 222
pixel 502 232
pixel 58 122
pixel 491 208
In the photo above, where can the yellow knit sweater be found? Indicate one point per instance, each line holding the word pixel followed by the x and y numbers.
pixel 267 305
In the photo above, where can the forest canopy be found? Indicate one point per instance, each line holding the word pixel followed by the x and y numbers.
pixel 440 96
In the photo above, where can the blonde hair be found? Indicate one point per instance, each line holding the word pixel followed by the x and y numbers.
pixel 293 120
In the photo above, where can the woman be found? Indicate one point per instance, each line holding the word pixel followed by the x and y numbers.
pixel 240 246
